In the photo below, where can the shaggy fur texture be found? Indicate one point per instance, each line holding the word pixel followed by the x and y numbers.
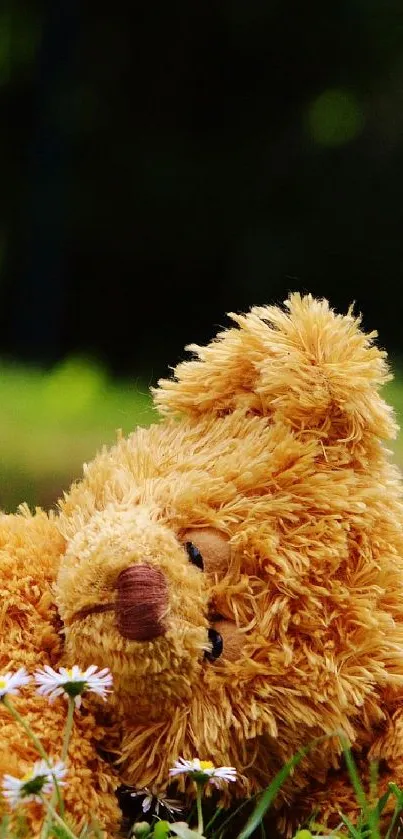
pixel 30 549
pixel 270 462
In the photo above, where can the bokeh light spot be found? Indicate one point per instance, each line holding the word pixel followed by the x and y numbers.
pixel 335 117
pixel 71 388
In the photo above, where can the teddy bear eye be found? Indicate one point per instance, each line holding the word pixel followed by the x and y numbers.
pixel 194 555
pixel 217 645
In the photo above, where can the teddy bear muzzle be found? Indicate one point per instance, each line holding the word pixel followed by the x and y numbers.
pixel 141 603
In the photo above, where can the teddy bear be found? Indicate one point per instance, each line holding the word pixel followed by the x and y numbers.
pixel 238 566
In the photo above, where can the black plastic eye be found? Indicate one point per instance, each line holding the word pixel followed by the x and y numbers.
pixel 217 645
pixel 194 555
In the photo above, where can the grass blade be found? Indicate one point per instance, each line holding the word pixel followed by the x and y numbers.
pixel 232 815
pixel 354 776
pixel 395 816
pixel 398 809
pixel 4 824
pixel 213 819
pixel 356 834
pixel 381 804
pixel 268 796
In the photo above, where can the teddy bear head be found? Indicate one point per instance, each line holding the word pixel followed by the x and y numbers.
pixel 233 564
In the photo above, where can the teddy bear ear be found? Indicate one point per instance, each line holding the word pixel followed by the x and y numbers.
pixel 311 367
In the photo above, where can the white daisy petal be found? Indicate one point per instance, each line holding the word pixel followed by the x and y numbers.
pixel 203 770
pixel 73 682
pixel 224 773
pixel 151 799
pixel 55 771
pixel 146 803
pixel 40 779
pixel 93 669
pixel 65 674
pixel 10 683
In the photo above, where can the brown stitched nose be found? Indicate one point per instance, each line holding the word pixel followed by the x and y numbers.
pixel 141 604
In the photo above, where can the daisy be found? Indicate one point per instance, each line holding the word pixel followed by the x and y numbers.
pixel 203 771
pixel 12 682
pixel 154 801
pixel 73 682
pixel 39 780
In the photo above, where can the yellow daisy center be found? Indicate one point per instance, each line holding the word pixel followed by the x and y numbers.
pixel 206 764
pixel 3 684
pixel 27 776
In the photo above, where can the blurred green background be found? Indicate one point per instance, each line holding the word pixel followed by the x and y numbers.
pixel 53 422
pixel 163 164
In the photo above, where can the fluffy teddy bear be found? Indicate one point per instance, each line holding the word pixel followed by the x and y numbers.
pixel 239 568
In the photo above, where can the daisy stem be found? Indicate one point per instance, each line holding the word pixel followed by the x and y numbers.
pixel 55 816
pixel 56 797
pixel 38 745
pixel 68 729
pixel 46 825
pixel 27 728
pixel 199 791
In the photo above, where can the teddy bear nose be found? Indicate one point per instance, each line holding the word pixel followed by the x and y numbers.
pixel 141 603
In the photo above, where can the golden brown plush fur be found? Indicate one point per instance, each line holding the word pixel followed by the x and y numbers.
pixel 270 461
pixel 30 549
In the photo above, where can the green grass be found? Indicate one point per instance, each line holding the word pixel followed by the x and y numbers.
pixel 377 816
pixel 50 423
